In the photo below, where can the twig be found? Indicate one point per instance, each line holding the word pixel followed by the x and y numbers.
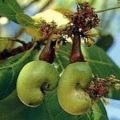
pixel 105 10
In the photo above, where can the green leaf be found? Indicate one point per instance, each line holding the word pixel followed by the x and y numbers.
pixel 105 42
pixel 11 108
pixel 62 59
pixel 9 8
pixel 6 43
pixel 99 111
pixel 101 64
pixel 25 20
pixel 114 93
pixel 10 69
pixel 118 1
pixel 49 110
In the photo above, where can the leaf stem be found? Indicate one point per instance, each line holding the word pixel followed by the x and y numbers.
pixel 105 10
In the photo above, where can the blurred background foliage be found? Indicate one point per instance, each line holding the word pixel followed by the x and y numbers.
pixel 109 29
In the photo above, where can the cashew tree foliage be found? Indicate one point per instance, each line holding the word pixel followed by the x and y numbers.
pixel 64 72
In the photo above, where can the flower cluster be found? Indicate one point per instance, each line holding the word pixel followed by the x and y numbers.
pixel 83 20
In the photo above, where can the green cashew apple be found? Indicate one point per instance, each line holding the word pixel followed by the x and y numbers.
pixel 35 78
pixel 71 88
